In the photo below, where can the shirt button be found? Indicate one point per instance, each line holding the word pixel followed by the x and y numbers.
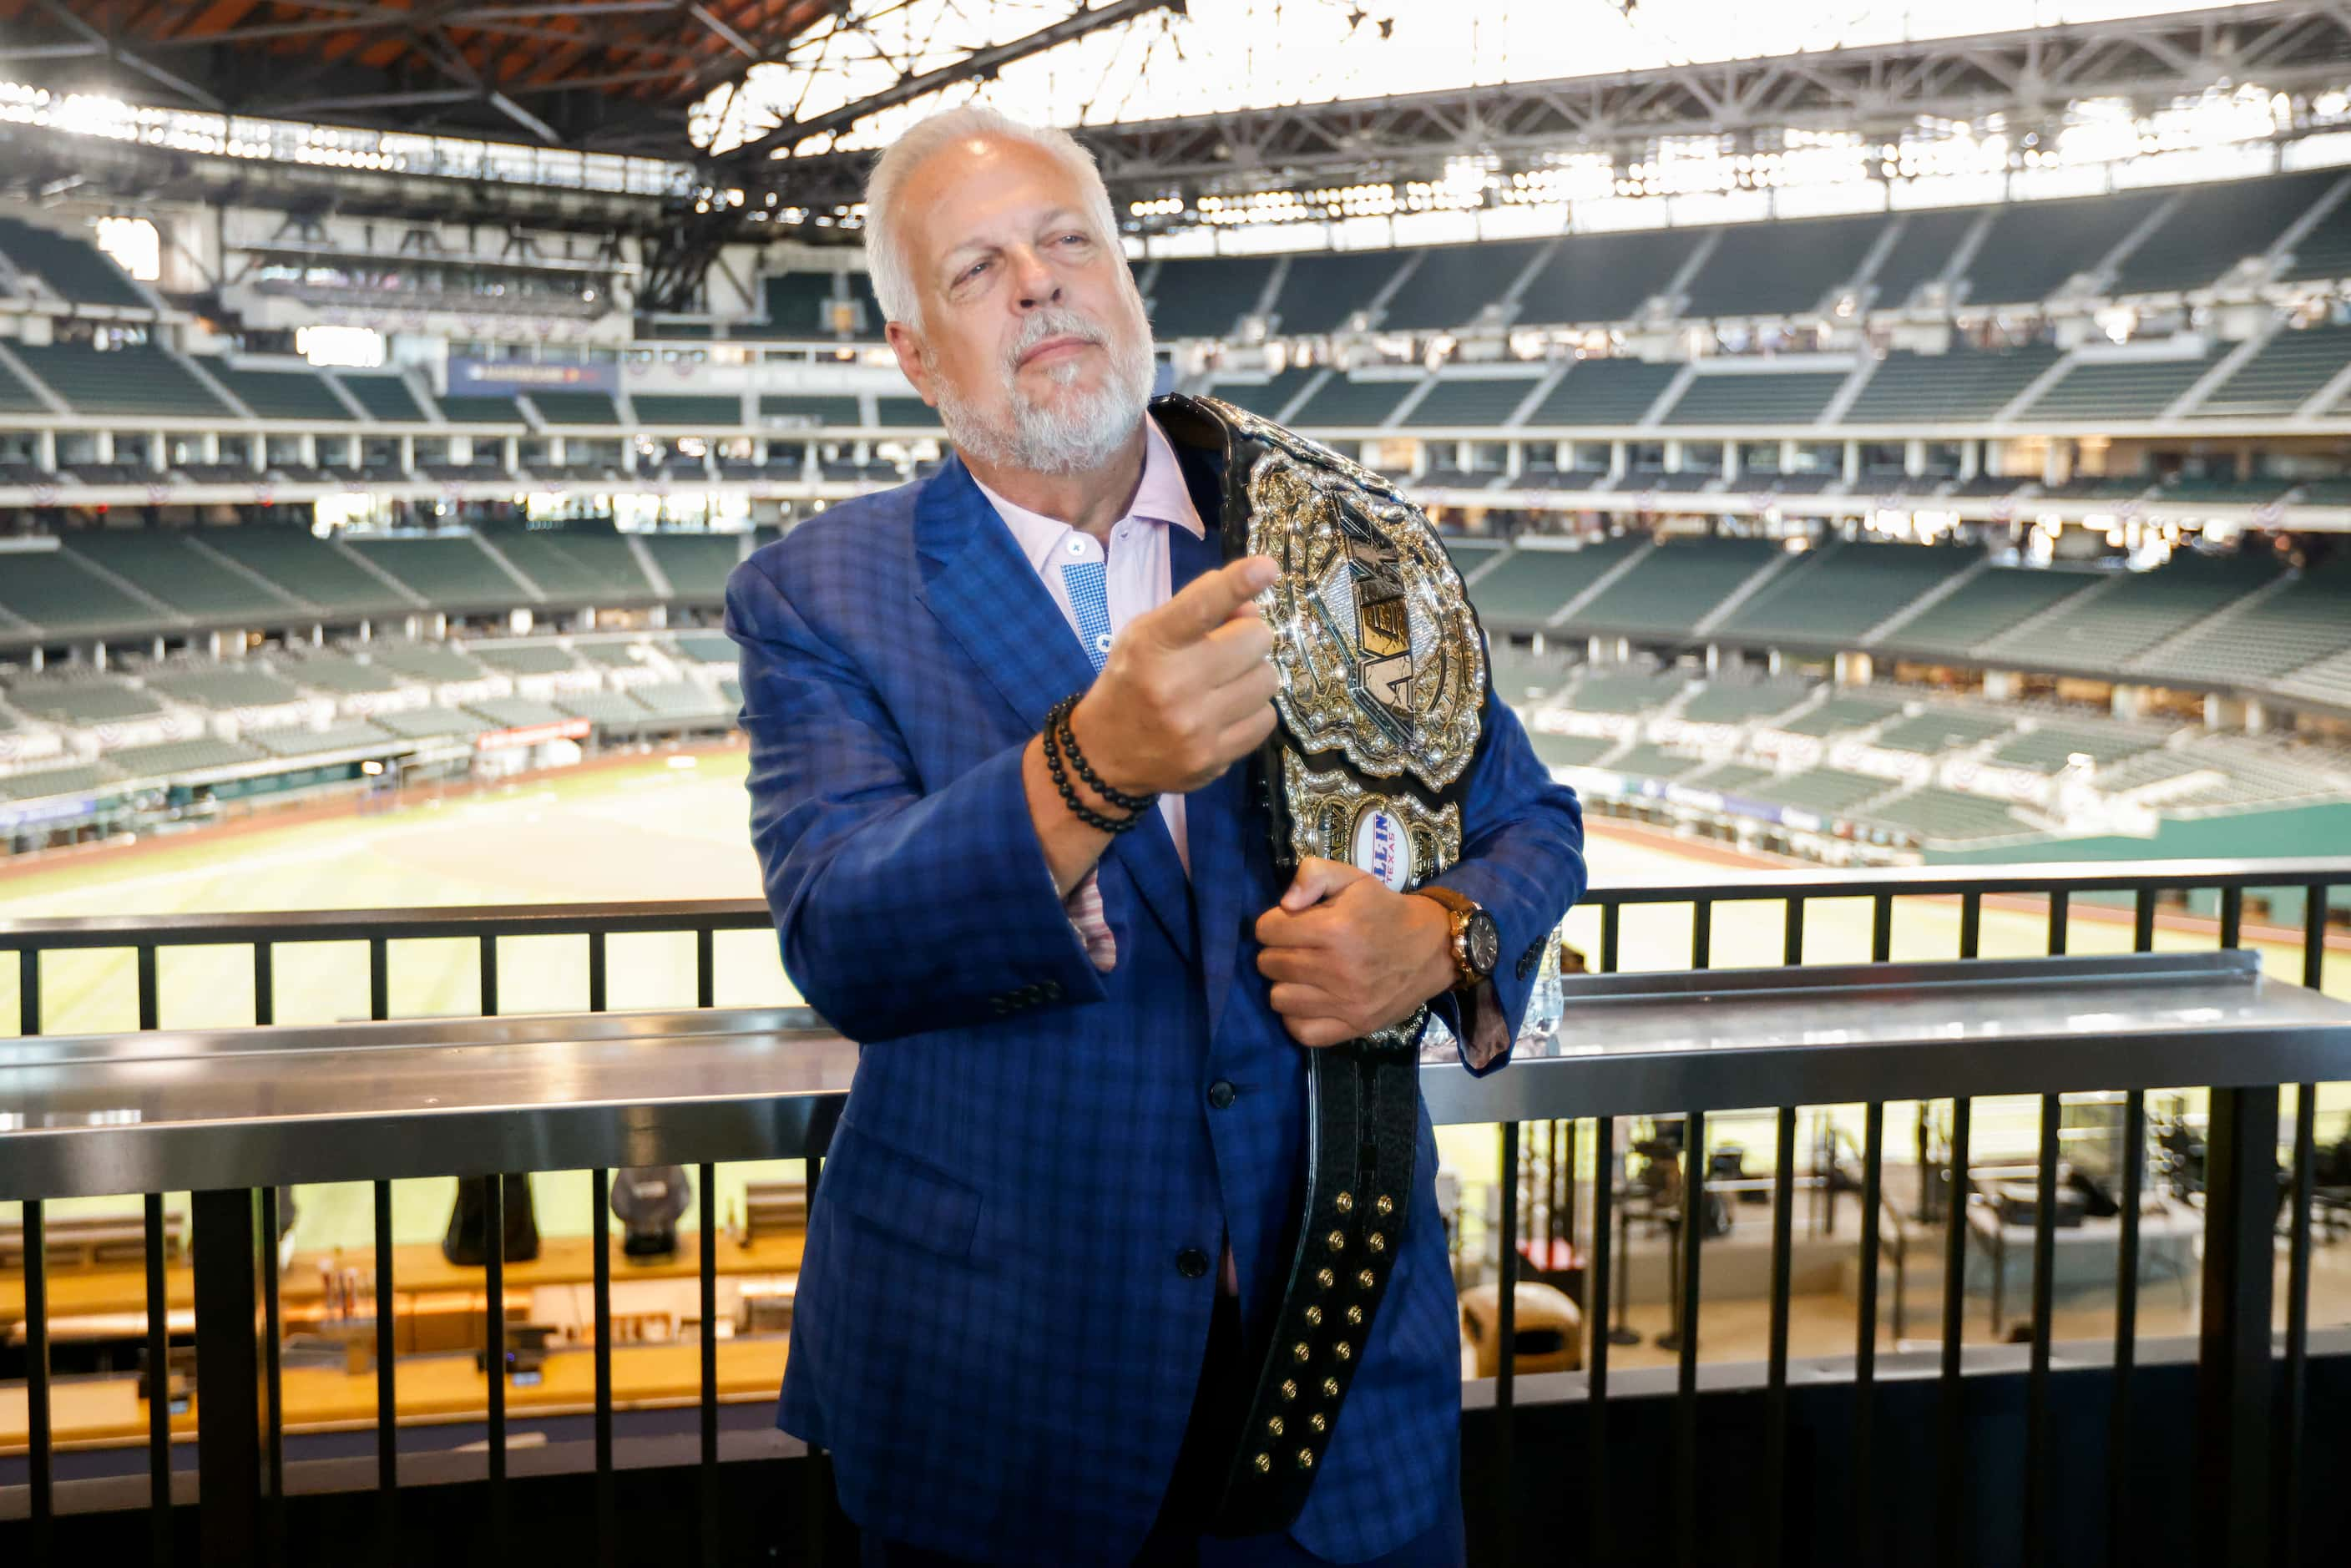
pixel 1076 547
pixel 1191 1262
pixel 1221 1094
pixel 1102 642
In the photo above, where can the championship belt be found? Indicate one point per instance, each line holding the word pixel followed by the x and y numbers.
pixel 1383 672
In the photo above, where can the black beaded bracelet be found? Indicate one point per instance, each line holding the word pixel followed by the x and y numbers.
pixel 1079 809
pixel 1057 720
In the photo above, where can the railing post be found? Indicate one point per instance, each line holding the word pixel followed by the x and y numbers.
pixel 228 1377
pixel 2232 1383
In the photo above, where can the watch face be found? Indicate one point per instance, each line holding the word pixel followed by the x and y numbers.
pixel 1484 941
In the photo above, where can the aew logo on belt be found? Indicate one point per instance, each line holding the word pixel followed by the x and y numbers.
pixel 1383 625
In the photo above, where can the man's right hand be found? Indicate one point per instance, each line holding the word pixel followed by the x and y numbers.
pixel 1188 688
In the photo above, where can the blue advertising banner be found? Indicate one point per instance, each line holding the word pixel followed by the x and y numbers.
pixel 503 377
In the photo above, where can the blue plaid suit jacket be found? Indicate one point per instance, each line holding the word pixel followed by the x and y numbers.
pixel 992 1334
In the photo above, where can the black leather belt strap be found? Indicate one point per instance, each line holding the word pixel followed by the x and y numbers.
pixel 1363 1097
pixel 1363 1114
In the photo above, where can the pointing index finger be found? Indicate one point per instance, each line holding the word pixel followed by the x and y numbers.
pixel 1210 601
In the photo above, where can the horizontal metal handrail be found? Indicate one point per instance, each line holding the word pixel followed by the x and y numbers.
pixel 1784 1037
pixel 748 913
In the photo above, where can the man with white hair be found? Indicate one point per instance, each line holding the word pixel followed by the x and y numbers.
pixel 994 717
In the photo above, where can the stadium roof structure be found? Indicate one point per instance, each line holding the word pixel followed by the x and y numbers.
pixel 611 75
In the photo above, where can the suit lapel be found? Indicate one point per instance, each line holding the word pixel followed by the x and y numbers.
pixel 1215 816
pixel 989 597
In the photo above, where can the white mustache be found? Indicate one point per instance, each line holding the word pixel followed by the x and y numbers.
pixel 1051 322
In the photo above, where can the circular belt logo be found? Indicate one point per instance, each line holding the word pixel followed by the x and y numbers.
pixel 1382 848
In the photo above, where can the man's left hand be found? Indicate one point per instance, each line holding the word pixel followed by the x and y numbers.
pixel 1348 956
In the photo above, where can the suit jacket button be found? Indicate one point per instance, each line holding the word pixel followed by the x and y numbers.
pixel 1221 1094
pixel 1191 1262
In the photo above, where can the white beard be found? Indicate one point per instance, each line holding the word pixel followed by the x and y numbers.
pixel 1077 432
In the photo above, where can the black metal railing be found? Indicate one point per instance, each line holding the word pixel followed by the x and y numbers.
pixel 2251 1485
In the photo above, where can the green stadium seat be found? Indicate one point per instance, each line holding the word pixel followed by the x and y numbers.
pixel 56 591
pixel 1919 255
pixel 224 689
pixel 1461 400
pixel 2306 620
pixel 172 758
pixel 578 565
pixel 336 673
pixel 1840 714
pixel 2032 248
pixel 302 741
pixel 1729 779
pixel 708 647
pixel 524 658
pixel 432 723
pixel 41 783
pixel 1941 729
pixel 1603 393
pixel 477 409
pixel 1206 297
pixel 1822 790
pixel 515 713
pixel 1837 594
pixel 307 567
pixel 2137 611
pixel 777 408
pixel 1947 816
pixel 616 709
pixel 82 701
pixel 1945 389
pixel 2049 748
pixel 1782 268
pixel 1671 588
pixel 126 382
pixel 905 413
pixel 1569 750
pixel 1267 397
pixel 681 701
pixel 2216 226
pixel 385 397
pixel 1342 402
pixel 69 263
pixel 1626 691
pixel 1987 605
pixel 1738 702
pixel 454 574
pixel 2284 373
pixel 1645 761
pixel 438 663
pixel 1605 277
pixel 580 408
pixel 16 397
pixel 698 411
pixel 1322 289
pixel 2116 388
pixel 798 304
pixel 1533 585
pixel 290 392
pixel 695 564
pixel 174 566
pixel 1455 282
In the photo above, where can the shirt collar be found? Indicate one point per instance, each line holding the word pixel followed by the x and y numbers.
pixel 1161 497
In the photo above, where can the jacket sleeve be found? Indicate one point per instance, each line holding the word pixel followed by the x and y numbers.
pixel 1521 859
pixel 899 911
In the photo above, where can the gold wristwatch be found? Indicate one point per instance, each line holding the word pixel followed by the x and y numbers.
pixel 1476 943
